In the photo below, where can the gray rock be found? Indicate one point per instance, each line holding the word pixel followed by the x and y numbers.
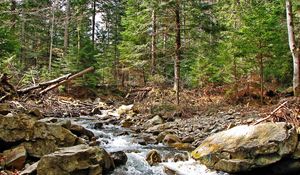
pixel 81 131
pixel 244 147
pixel 39 138
pixel 98 125
pixel 62 122
pixel 188 139
pixel 156 129
pixel 171 139
pixel 153 157
pixel 156 120
pixel 149 138
pixel 181 157
pixel 75 160
pixel 119 158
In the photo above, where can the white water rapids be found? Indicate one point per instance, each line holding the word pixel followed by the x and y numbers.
pixel 112 141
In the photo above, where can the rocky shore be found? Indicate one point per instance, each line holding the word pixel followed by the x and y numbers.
pixel 48 146
pixel 34 139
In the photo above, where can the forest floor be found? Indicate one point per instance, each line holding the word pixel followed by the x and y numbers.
pixel 201 114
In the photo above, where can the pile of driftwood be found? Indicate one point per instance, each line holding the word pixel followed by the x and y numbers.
pixel 7 90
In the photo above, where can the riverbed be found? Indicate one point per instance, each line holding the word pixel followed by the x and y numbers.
pixel 115 138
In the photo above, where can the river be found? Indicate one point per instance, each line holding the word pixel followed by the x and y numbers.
pixel 112 140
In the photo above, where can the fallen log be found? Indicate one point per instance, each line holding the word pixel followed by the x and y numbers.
pixel 66 80
pixel 272 113
pixel 43 84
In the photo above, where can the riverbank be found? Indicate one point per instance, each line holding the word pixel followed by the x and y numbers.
pixel 160 124
pixel 151 111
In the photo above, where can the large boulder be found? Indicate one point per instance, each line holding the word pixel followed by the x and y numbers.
pixel 16 128
pixel 38 137
pixel 80 159
pixel 244 147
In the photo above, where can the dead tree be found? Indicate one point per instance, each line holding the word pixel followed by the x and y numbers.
pixel 52 84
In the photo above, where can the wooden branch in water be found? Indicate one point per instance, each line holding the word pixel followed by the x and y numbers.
pixel 90 69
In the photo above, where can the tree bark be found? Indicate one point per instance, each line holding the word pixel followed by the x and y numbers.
pixel 261 68
pixel 66 33
pixel 184 37
pixel 94 22
pixel 116 52
pixel 51 36
pixel 67 80
pixel 293 48
pixel 177 52
pixel 153 43
pixel 235 61
pixel 78 36
pixel 14 16
pixel 165 40
pixel 235 74
pixel 44 84
pixel 22 39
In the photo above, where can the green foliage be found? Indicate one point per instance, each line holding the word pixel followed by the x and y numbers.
pixel 221 42
pixel 79 60
pixel 134 47
pixel 8 43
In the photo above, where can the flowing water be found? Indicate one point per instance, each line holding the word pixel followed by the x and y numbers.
pixel 111 139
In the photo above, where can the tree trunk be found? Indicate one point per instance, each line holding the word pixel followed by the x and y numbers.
pixel 51 36
pixel 184 26
pixel 293 47
pixel 78 35
pixel 153 44
pixel 165 40
pixel 13 11
pixel 261 70
pixel 90 69
pixel 66 34
pixel 177 52
pixel 44 84
pixel 116 53
pixel 235 74
pixel 235 66
pixel 22 59
pixel 94 22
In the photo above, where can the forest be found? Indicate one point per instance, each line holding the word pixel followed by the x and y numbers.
pixel 191 87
